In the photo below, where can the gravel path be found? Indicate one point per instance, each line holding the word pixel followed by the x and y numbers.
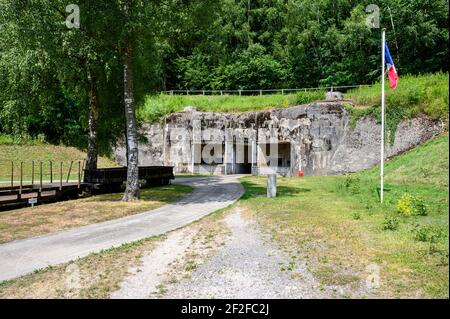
pixel 146 278
pixel 247 266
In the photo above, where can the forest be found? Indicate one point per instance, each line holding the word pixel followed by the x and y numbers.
pixel 63 84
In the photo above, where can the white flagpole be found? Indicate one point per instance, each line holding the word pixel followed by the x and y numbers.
pixel 383 42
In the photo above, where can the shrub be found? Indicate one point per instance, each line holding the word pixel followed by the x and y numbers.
pixel 352 184
pixel 404 205
pixel 356 216
pixel 409 205
pixel 391 223
pixel 428 233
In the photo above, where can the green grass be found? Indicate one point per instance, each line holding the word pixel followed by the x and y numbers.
pixel 336 223
pixel 414 96
pixel 6 139
pixel 155 107
pixel 423 165
pixel 421 94
pixel 42 152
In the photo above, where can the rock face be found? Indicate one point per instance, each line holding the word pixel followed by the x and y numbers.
pixel 334 96
pixel 150 147
pixel 360 149
pixel 316 138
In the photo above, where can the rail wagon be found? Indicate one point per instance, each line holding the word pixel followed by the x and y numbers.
pixel 95 181
pixel 112 179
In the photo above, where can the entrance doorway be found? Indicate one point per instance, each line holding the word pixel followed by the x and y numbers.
pixel 242 157
pixel 279 162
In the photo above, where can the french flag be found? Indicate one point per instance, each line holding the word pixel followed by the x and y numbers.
pixel 392 72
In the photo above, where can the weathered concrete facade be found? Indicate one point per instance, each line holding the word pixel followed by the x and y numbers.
pixel 316 138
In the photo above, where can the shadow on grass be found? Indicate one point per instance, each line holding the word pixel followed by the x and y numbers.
pixel 256 190
pixel 165 194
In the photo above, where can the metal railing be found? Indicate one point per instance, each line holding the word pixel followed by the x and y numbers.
pixel 241 92
pixel 38 166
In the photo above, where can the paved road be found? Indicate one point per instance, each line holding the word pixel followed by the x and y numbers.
pixel 24 256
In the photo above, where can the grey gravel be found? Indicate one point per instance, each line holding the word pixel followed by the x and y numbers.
pixel 247 266
pixel 148 276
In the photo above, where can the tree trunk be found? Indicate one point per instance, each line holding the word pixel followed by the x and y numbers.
pixel 91 159
pixel 132 188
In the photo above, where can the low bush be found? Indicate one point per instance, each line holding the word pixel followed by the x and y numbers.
pixel 352 184
pixel 428 233
pixel 356 216
pixel 391 223
pixel 409 205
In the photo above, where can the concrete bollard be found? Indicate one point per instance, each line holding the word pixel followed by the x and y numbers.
pixel 272 185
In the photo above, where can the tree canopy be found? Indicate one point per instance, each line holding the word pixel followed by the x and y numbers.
pixel 231 44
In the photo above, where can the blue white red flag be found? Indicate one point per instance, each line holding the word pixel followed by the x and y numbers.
pixel 391 71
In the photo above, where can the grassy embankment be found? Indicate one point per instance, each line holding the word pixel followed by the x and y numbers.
pixel 28 151
pixel 155 107
pixel 415 95
pixel 337 224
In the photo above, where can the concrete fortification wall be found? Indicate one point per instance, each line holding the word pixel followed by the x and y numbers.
pixel 317 137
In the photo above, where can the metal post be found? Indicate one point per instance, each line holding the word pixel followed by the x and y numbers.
pixel 32 173
pixel 239 92
pixel 12 173
pixel 260 92
pixel 70 169
pixel 203 92
pixel 221 92
pixel 21 178
pixel 40 176
pixel 383 36
pixel 83 167
pixel 282 91
pixel 51 172
pixel 60 175
pixel 79 173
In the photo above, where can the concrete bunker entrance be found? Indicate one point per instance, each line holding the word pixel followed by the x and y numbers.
pixel 243 157
pixel 275 156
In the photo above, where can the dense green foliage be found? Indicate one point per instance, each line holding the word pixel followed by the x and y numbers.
pixel 195 44
pixel 46 67
pixel 262 44
pixel 44 87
